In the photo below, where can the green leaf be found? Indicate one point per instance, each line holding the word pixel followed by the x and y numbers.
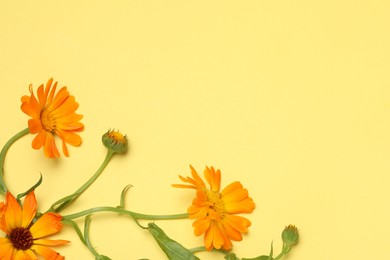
pixel 123 194
pixel 59 203
pixel 19 196
pixel 102 257
pixel 171 248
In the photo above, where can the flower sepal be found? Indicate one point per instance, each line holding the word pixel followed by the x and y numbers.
pixel 115 141
pixel 290 238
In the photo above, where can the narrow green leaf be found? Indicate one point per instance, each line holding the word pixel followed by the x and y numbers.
pixel 64 200
pixel 21 195
pixel 123 194
pixel 171 248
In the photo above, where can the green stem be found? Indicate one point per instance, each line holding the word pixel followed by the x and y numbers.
pixel 124 212
pixel 3 187
pixel 86 234
pixel 280 256
pixel 197 249
pixel 88 183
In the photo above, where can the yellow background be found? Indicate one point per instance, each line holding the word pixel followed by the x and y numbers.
pixel 291 98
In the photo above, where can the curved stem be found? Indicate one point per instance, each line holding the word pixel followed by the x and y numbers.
pixel 280 256
pixel 86 234
pixel 124 212
pixel 3 187
pixel 88 183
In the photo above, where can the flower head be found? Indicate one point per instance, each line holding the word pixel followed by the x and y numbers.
pixel 290 237
pixel 24 238
pixel 214 209
pixel 115 141
pixel 52 114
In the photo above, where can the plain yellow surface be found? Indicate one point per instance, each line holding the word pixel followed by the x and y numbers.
pixel 292 98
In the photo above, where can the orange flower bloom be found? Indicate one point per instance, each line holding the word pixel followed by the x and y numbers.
pixel 24 239
pixel 52 114
pixel 213 210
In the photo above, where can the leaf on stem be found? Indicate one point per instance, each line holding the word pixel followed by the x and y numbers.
pixel 171 248
pixel 21 195
pixel 123 194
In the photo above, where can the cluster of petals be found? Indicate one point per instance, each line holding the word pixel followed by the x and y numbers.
pixel 214 210
pixel 26 238
pixel 52 114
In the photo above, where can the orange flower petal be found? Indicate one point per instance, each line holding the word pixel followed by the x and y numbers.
pixel 33 101
pixel 235 196
pixel 49 242
pixel 69 137
pixel 47 88
pixel 6 249
pixel 239 223
pixel 41 97
pixel 29 209
pixel 50 147
pixel 244 206
pixel 201 225
pixel 48 224
pixel 68 107
pixel 59 99
pixel 23 255
pixel 39 140
pixel 213 237
pixel 47 252
pixel 213 178
pixel 197 179
pixel 232 187
pixel 34 125
pixel 65 149
pixel 2 208
pixel 184 186
pixel 25 99
pixel 52 92
pixel 230 231
pixel 71 118
pixel 69 126
pixel 28 109
pixel 13 213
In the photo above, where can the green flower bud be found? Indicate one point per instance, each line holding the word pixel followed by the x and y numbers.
pixel 115 141
pixel 290 237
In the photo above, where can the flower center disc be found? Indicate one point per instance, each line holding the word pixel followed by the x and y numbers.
pixel 216 203
pixel 48 121
pixel 21 238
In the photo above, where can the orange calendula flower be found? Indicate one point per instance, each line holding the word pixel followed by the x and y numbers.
pixel 214 210
pixel 25 239
pixel 52 114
